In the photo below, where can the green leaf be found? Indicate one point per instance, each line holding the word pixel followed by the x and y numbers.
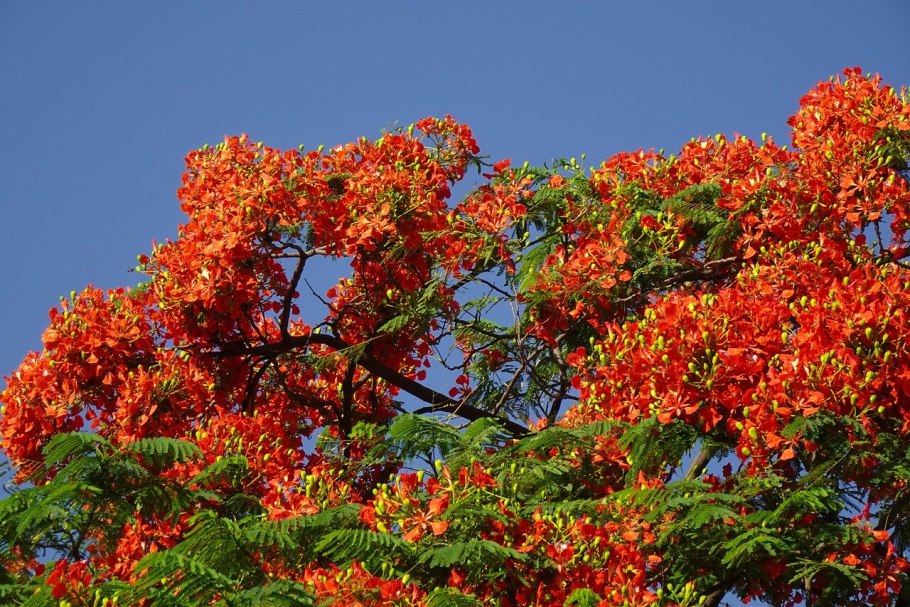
pixel 195 581
pixel 701 515
pixel 42 597
pixel 744 546
pixel 583 597
pixel 69 444
pixel 653 446
pixel 482 432
pixel 162 451
pixel 16 594
pixel 345 545
pixel 268 533
pixel 526 275
pixel 480 554
pixel 450 597
pixel 417 435
pixel 230 468
pixel 394 324
pixel 698 203
pixel 280 593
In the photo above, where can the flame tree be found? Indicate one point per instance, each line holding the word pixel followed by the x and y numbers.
pixel 661 381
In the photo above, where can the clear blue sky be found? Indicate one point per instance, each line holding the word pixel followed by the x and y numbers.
pixel 99 102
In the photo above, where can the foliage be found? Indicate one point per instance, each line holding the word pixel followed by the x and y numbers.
pixel 661 382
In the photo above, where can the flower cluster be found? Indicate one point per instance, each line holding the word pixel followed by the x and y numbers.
pixel 686 375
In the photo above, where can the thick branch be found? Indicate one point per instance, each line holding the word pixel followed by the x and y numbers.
pixel 563 384
pixel 288 302
pixel 347 402
pixel 697 467
pixel 474 273
pixel 254 384
pixel 438 402
pixel 507 391
pixel 714 598
pixel 710 270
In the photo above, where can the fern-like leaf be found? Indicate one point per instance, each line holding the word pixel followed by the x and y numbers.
pixel 161 451
pixel 231 468
pixel 484 554
pixel 70 444
pixel 583 597
pixel 417 435
pixel 280 593
pixel 41 597
pixel 345 545
pixel 194 580
pixel 744 546
pixel 450 597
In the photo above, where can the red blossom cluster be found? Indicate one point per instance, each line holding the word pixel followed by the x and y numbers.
pixel 740 292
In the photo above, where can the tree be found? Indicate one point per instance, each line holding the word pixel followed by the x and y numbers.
pixel 662 382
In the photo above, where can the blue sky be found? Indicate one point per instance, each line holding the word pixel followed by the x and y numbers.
pixel 100 102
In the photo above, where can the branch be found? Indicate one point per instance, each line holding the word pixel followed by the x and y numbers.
pixel 438 402
pixel 507 391
pixel 564 382
pixel 714 598
pixel 474 273
pixel 696 468
pixel 288 302
pixel 347 399
pixel 709 270
pixel 253 384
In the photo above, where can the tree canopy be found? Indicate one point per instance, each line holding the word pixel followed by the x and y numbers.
pixel 662 381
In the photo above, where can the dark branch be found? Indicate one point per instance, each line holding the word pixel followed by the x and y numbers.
pixel 288 302
pixel 711 270
pixel 697 467
pixel 523 364
pixel 714 598
pixel 253 384
pixel 564 384
pixel 347 403
pixel 438 402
